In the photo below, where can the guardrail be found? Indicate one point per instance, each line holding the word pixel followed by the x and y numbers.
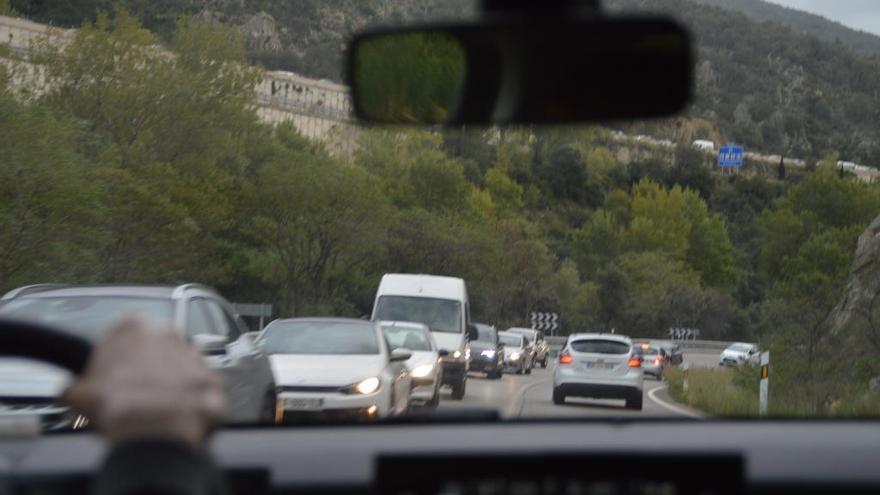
pixel 556 344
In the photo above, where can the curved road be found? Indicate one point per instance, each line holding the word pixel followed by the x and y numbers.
pixel 525 396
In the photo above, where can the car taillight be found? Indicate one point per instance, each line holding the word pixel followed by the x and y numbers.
pixel 565 358
pixel 634 362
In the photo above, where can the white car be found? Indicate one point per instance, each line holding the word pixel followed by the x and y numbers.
pixel 737 354
pixel 517 357
pixel 424 365
pixel 335 368
pixel 600 366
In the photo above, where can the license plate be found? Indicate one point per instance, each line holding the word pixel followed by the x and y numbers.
pixel 303 404
pixel 592 365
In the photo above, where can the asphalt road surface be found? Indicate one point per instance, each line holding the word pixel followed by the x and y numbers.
pixel 525 396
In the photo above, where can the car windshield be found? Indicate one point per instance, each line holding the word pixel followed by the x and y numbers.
pixel 440 315
pixel 87 316
pixel 511 340
pixel 485 334
pixel 407 338
pixel 600 346
pixel 319 337
pixel 216 143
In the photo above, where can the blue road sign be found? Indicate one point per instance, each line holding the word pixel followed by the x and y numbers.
pixel 730 156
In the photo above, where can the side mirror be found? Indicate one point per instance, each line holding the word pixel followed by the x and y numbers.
pixel 442 353
pixel 400 354
pixel 210 344
pixel 251 337
pixel 472 332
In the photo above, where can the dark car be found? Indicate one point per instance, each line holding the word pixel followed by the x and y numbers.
pixel 487 353
pixel 671 351
pixel 202 315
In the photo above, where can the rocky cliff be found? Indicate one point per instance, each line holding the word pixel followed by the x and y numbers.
pixel 861 300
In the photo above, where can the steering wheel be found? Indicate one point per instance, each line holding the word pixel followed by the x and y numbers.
pixel 44 343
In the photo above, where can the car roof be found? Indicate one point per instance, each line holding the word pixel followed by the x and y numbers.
pixel 514 334
pixel 405 324
pixel 420 285
pixel 602 336
pixel 106 290
pixel 320 319
pixel 521 330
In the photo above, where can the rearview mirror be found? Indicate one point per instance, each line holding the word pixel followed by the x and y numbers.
pixel 209 343
pixel 544 70
pixel 400 354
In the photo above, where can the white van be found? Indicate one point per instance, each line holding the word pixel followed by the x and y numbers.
pixel 441 303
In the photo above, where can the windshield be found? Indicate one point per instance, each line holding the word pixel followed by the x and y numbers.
pixel 86 315
pixel 314 337
pixel 486 334
pixel 407 338
pixel 511 340
pixel 440 315
pixel 215 142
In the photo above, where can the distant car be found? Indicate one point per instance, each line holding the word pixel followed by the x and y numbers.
pixel 538 348
pixel 653 361
pixel 516 353
pixel 670 350
pixel 487 353
pixel 424 364
pixel 602 366
pixel 203 316
pixel 336 369
pixel 737 354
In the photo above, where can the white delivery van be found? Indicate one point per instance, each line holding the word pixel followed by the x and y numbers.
pixel 441 303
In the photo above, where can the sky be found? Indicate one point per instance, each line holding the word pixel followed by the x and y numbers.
pixel 856 14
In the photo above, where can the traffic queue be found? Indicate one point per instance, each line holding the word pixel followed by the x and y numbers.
pixel 418 339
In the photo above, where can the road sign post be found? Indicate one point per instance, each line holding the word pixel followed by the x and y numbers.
pixel 764 394
pixel 684 379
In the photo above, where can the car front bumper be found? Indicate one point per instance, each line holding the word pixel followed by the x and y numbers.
pixel 306 404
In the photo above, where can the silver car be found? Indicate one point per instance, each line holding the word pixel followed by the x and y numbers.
pixel 601 366
pixel 517 358
pixel 198 312
pixel 424 364
pixel 653 360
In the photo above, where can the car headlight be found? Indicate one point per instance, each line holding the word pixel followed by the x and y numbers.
pixel 422 371
pixel 367 386
pixel 467 353
pixel 488 353
pixel 456 354
pixel 514 356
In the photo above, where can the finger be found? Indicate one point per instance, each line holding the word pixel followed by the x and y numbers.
pixel 82 397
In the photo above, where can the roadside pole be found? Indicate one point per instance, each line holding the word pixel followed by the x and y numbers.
pixel 764 396
pixel 684 381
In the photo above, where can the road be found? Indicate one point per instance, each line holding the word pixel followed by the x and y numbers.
pixel 529 396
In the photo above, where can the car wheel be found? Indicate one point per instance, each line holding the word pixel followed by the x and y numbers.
pixel 635 402
pixel 458 389
pixel 558 396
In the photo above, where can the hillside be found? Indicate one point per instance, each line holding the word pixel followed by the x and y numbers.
pixel 761 84
pixel 802 22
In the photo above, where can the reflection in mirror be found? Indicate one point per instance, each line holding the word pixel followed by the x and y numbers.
pixel 409 77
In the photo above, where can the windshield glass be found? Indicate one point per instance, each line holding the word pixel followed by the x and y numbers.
pixel 486 334
pixel 85 315
pixel 315 337
pixel 440 315
pixel 407 338
pixel 511 340
pixel 216 143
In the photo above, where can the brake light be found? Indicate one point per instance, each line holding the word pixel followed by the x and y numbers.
pixel 565 358
pixel 634 362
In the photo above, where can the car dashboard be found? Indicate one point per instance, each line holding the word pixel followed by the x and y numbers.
pixel 601 457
